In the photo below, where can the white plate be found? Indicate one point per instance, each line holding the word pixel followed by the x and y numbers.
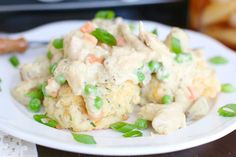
pixel 17 121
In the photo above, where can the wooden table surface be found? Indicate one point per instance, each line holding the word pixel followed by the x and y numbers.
pixel 224 147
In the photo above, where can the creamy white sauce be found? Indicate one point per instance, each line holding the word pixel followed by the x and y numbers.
pixel 84 60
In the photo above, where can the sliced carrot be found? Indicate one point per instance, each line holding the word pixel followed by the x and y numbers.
pixel 87 27
pixel 125 117
pixel 95 118
pixel 120 41
pixel 59 127
pixel 192 93
pixel 93 58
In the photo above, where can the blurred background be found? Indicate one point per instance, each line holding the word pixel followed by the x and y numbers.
pixel 214 17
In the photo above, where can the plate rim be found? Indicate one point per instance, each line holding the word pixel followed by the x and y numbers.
pixel 94 150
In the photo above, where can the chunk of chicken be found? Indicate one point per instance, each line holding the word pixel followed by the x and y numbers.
pixel 24 87
pixel 79 73
pixel 35 70
pixel 57 54
pixel 119 64
pixel 131 39
pixel 52 87
pixel 78 45
pixel 155 90
pixel 151 40
pixel 169 119
pixel 199 109
pixel 181 36
pixel 165 118
pixel 149 111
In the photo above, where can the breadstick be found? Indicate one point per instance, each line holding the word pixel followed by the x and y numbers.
pixel 13 45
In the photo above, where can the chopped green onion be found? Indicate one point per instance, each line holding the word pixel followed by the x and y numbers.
pixel 43 119
pixel 122 127
pixel 34 105
pixel 117 125
pixel 36 93
pixel 49 55
pixel 90 89
pixel 14 61
pixel 98 102
pixel 218 60
pixel 43 88
pixel 58 43
pixel 228 88
pixel 141 124
pixel 141 76
pixel 60 79
pixel 176 45
pixel 134 133
pixel 154 31
pixel 154 66
pixel 104 36
pixel 228 110
pixel 166 99
pixel 83 138
pixel 183 57
pixel 105 14
pixel 52 68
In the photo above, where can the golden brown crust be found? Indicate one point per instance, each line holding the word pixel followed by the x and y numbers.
pixel 70 111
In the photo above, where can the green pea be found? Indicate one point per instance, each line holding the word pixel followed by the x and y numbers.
pixel 167 99
pixel 154 66
pixel 176 45
pixel 98 102
pixel 90 89
pixel 60 79
pixel 14 61
pixel 36 93
pixel 58 43
pixel 49 55
pixel 34 105
pixel 141 76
